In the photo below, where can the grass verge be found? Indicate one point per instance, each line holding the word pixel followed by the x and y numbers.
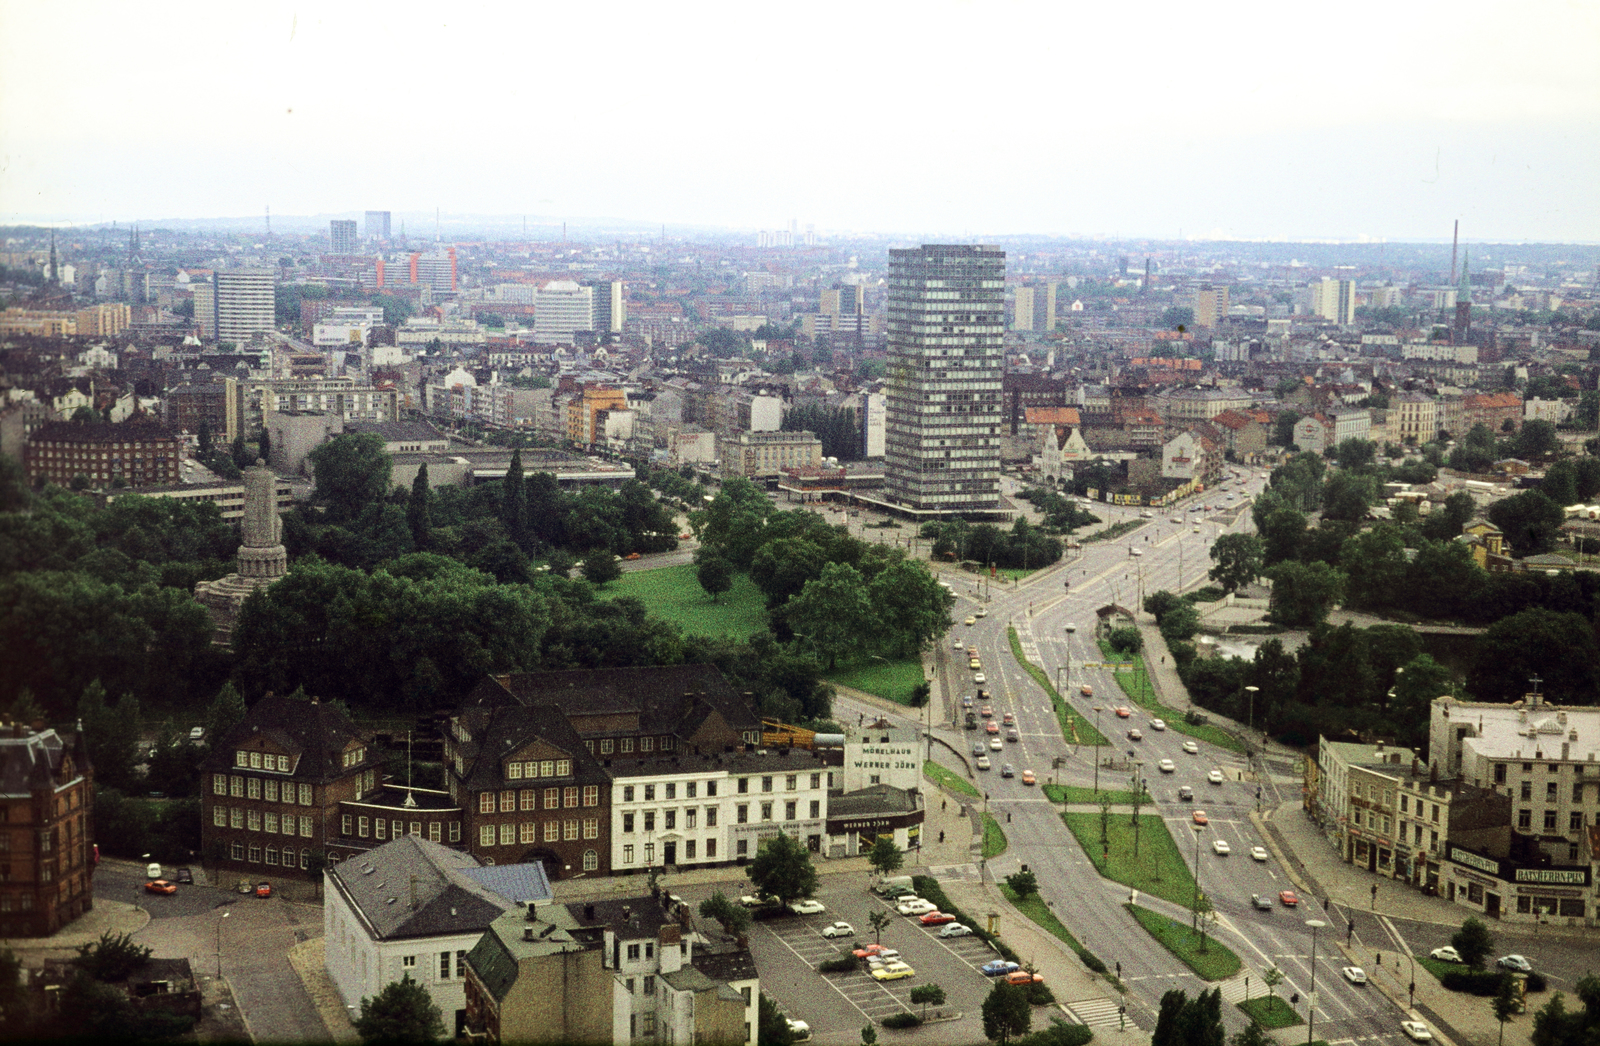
pixel 1074 729
pixel 1269 1011
pixel 1209 958
pixel 674 594
pixel 1035 908
pixel 1114 531
pixel 948 778
pixel 1439 967
pixel 1135 685
pixel 1080 794
pixel 1157 870
pixel 994 837
pixel 890 680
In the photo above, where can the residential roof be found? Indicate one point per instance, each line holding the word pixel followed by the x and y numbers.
pixel 496 955
pixel 31 761
pixel 415 888
pixel 316 732
pixel 1052 415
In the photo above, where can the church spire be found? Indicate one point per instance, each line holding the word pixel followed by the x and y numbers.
pixel 1464 289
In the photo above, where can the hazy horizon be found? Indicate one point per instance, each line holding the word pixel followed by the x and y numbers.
pixel 1249 122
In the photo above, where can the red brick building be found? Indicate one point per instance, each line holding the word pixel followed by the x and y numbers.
pixel 46 844
pixel 141 453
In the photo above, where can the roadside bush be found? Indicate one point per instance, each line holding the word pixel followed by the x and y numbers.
pixel 1060 1033
pixel 1091 960
pixel 843 964
pixel 903 1019
pixel 1040 994
pixel 1536 982
pixel 1208 594
pixel 1484 984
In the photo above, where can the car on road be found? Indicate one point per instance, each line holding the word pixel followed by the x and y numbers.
pixel 1135 552
pixel 1200 817
pixel 839 929
pixel 1262 904
pixel 983 762
pixel 893 972
pixel 153 870
pixel 185 876
pixel 1167 766
pixel 1258 853
pixel 1012 735
pixel 995 744
pixel 955 930
pixel 987 711
pixel 1416 1031
pixel 799 1031
pixel 160 886
pixel 264 890
pixel 1354 974
pixel 1288 899
pixel 991 727
pixel 957 645
pixel 1147 515
pixel 1221 847
pixel 1086 690
pixel 971 620
pixel 1158 724
pixel 978 677
pixel 1215 777
pixel 808 907
pixel 1191 748
pixel 1020 977
pixel 1135 734
pixel 981 612
pixel 1006 770
pixel 1122 711
pixel 1514 962
pixel 1186 794
pixel 977 748
pixel 1175 519
pixel 1008 719
pixel 1028 778
pixel 1445 954
pixel 936 919
pixel 1197 529
pixel 998 967
pixel 966 700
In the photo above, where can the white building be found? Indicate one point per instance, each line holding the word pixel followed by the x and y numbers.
pixel 415 908
pixel 875 414
pixel 561 308
pixel 245 303
pixel 1334 300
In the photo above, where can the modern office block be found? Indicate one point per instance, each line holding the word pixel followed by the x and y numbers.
pixel 245 303
pixel 342 236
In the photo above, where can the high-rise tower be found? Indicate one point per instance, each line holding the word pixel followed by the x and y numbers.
pixel 342 236
pixel 945 330
pixel 245 303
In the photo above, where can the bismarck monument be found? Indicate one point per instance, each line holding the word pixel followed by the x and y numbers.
pixel 262 559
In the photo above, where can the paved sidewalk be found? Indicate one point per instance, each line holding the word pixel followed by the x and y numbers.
pixel 113 916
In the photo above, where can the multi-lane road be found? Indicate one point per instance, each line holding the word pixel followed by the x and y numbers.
pixel 1169 551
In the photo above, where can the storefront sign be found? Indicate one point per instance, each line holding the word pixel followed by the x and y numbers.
pixel 1569 876
pixel 1472 860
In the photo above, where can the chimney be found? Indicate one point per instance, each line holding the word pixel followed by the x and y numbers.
pixel 533 910
pixel 527 933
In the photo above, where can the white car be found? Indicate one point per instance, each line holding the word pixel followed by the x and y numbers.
pixel 1191 748
pixel 995 744
pixel 799 1031
pixel 955 930
pixel 1258 853
pixel 1354 974
pixel 983 763
pixel 840 929
pixel 808 907
pixel 752 901
pixel 1167 766
pixel 1221 847
pixel 916 906
pixel 1215 777
pixel 1158 724
pixel 958 645
pixel 1416 1031
pixel 979 678
pixel 1445 954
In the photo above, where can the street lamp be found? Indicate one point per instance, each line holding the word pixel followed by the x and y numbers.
pixel 1252 691
pixel 1138 791
pixel 219 944
pixel 1311 1008
pixel 1198 829
pixel 1098 738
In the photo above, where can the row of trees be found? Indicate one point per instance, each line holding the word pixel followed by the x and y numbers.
pixel 1023 547
pixel 837 427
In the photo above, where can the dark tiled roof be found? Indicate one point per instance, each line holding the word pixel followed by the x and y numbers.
pixel 29 762
pixel 873 799
pixel 726 964
pixel 631 918
pixel 415 888
pixel 317 732
pixel 666 698
pixel 101 432
pixel 498 731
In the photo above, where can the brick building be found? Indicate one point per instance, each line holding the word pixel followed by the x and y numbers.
pixel 141 453
pixel 46 844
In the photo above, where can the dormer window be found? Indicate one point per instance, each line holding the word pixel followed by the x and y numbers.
pixel 255 760
pixel 241 758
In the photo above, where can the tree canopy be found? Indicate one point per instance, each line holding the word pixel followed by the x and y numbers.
pixel 782 868
pixel 403 1012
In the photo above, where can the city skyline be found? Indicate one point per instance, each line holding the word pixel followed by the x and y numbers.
pixel 1204 125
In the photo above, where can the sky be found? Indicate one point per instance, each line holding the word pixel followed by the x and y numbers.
pixel 1378 120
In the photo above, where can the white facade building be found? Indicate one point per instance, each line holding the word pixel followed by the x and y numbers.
pixel 245 303
pixel 562 307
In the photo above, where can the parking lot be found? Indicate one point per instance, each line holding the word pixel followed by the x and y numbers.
pixel 837 1005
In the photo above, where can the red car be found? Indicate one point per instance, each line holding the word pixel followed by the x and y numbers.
pixel 1288 899
pixel 1200 817
pixel 1024 977
pixel 867 949
pixel 264 890
pixel 160 886
pixel 1122 711
pixel 937 919
pixel 991 727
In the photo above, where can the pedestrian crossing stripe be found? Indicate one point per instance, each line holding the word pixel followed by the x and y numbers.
pixel 1096 1013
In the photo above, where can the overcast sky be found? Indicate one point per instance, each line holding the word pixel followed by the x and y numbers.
pixel 1273 120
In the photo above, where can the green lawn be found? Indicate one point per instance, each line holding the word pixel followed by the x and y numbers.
pixel 1079 794
pixel 1136 686
pixel 1439 968
pixel 994 837
pixel 1158 869
pixel 1073 728
pixel 673 594
pixel 1269 1011
pixel 890 680
pixel 950 779
pixel 1035 908
pixel 1208 957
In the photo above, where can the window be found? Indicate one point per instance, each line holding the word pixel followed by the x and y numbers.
pixel 711 849
pixel 508 834
pixel 241 759
pixel 816 808
pixel 670 820
pixel 255 855
pixel 790 782
pixel 816 780
pixel 1575 821
pixel 552 798
pixel 668 743
pixel 689 790
pixel 547 768
pixel 237 853
pixel 591 860
pixel 744 785
pixel 633 953
pixel 788 810
pixel 649 793
pixel 649 820
pixel 528 832
pixel 711 817
pixel 305 826
pixel 1499 773
pixel 255 760
pixel 305 795
pixel 552 831
pixel 1577 792
pixel 361 827
pixel 528 799
pixel 711 788
pixel 647 744
pixel 1524 818
pixel 1550 820
pixel 591 795
pixel 627 824
pixel 486 835
pixel 514 770
pixel 455 831
pixel 766 811
pixel 649 989
pixel 1550 791
pixel 606 746
pixel 444 966
pixel 272 822
pixel 219 818
pixel 649 853
pixel 569 830
pixel 741 847
pixel 1435 814
pixel 415 828
pixel 627 793
pixel 1404 808
pixel 766 783
pixel 272 791
pixel 689 817
pixel 381 828
pixel 433 832
pixel 508 802
pixel 591 827
pixel 688 850
pixel 741 813
pixel 408 962
pixel 219 784
pixel 272 855
pixel 569 797
pixel 252 788
pixel 253 820
pixel 627 745
pixel 627 853
pixel 1527 789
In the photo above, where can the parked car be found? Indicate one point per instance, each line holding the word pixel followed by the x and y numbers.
pixel 987 712
pixel 1191 748
pixel 810 906
pixel 893 972
pixel 1258 853
pixel 915 906
pixel 799 1031
pixel 1221 847
pixel 1262 904
pixel 966 700
pixel 1200 817
pixel 1354 974
pixel 998 967
pixel 153 870
pixel 1024 977
pixel 1028 778
pixel 756 901
pixel 981 612
pixel 185 876
pixel 936 919
pixel 839 929
pixel 868 950
pixel 1416 1031
pixel 197 733
pixel 1012 735
pixel 958 645
pixel 977 748
pixel 1009 719
pixel 1514 962
pixel 263 889
pixel 1445 954
pixel 160 886
pixel 1288 898
pixel 955 930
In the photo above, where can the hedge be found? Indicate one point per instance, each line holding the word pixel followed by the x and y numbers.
pixel 903 1019
pixel 843 964
pixel 1485 983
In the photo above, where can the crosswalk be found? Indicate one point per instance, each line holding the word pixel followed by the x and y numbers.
pixel 1098 1012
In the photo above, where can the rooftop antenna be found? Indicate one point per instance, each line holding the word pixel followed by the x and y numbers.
pixel 411 799
pixel 1534 681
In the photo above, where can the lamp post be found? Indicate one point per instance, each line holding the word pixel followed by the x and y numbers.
pixel 1138 791
pixel 1098 738
pixel 1311 1007
pixel 219 944
pixel 1252 691
pixel 1198 829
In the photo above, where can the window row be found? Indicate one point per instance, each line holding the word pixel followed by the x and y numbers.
pixel 669 818
pixel 689 852
pixel 261 761
pixel 288 857
pixel 790 783
pixel 1552 791
pixel 515 771
pixel 383 828
pixel 513 834
pixel 255 788
pixel 669 790
pixel 624 745
pixel 1574 820
pixel 261 821
pixel 527 799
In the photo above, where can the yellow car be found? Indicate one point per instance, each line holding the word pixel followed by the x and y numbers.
pixel 971 620
pixel 893 972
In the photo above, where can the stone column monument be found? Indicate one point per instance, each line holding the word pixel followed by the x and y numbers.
pixel 262 559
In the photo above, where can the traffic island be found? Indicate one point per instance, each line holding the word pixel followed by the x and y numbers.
pixel 1271 1012
pixel 1209 958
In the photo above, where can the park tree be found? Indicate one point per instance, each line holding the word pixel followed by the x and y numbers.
pixel 1179 624
pixel 403 1012
pixel 1375 567
pixel 1006 1013
pixel 1303 593
pixel 111 735
pixel 1282 528
pixel 1129 640
pixel 1537 439
pixel 226 711
pixel 1505 1005
pixel 1560 647
pixel 514 500
pixel 350 472
pixel 1530 522
pixel 1239 559
pixel 418 518
pixel 111 958
pixel 1189 1022
pixel 1348 495
pixel 878 920
pixel 927 995
pixel 781 568
pixel 1473 942
pixel 771 1028
pixel 782 868
pixel 836 613
pixel 600 567
pixel 1354 453
pixel 1024 884
pixel 1414 691
pixel 734 918
pixel 885 857
pixel 715 576
pixel 1272 977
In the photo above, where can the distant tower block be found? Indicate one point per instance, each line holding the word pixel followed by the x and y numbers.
pixel 262 558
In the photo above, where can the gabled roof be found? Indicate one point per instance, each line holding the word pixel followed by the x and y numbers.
pixel 415 888
pixel 32 760
pixel 316 732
